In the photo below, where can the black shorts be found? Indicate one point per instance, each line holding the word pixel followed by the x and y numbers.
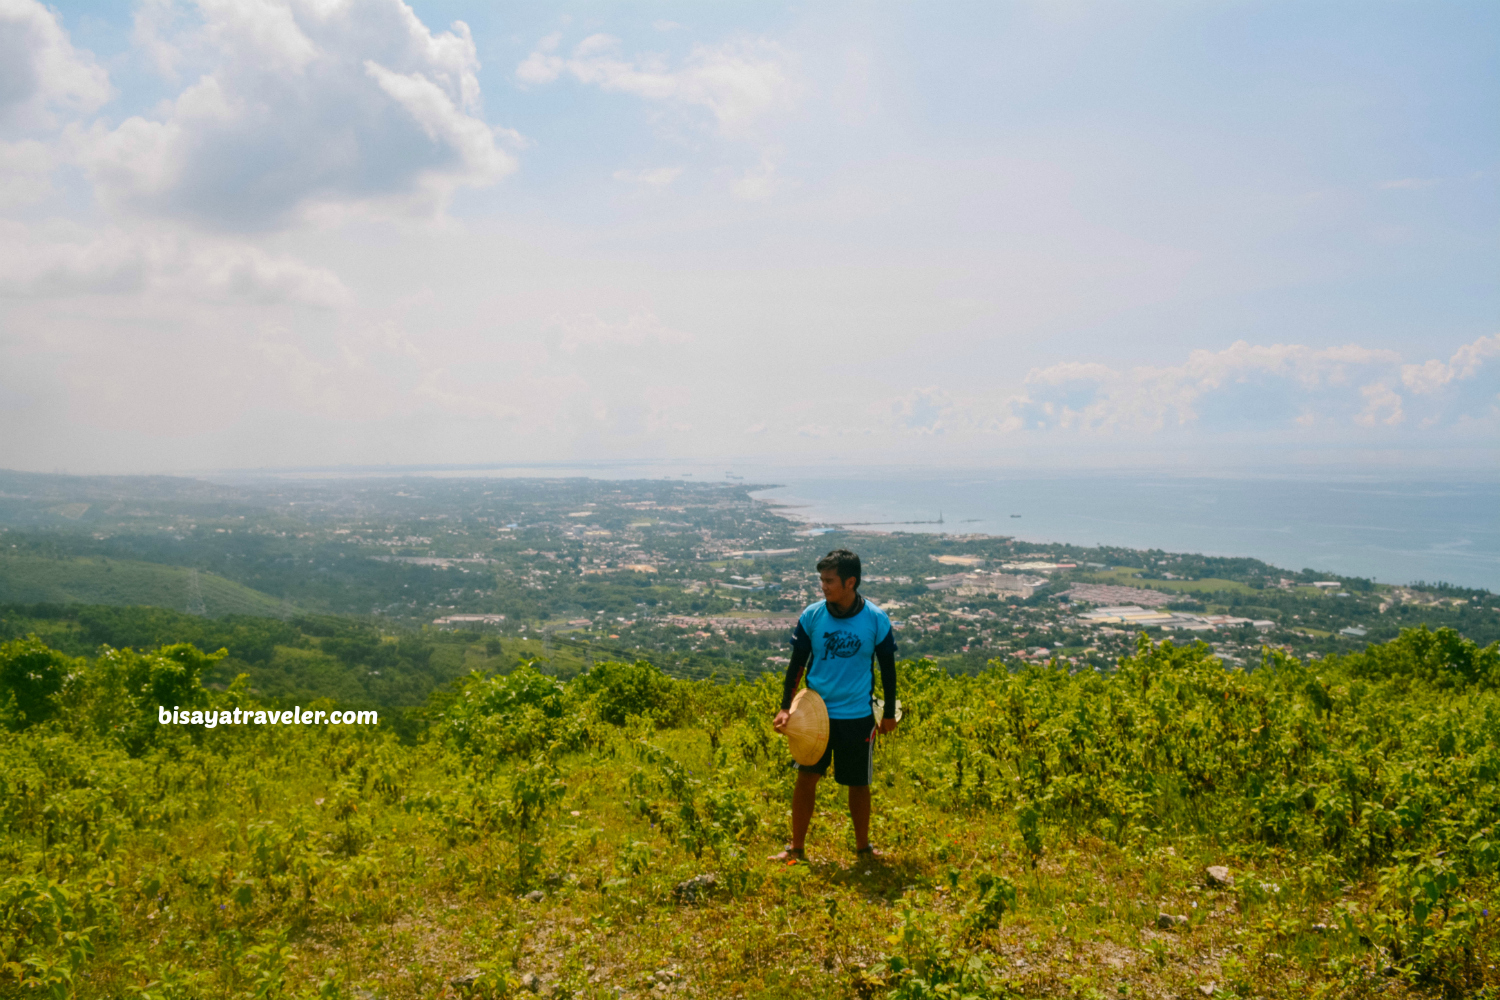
pixel 851 747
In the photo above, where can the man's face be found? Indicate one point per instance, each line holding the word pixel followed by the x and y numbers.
pixel 838 592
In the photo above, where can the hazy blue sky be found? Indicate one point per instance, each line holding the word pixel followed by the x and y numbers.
pixel 237 233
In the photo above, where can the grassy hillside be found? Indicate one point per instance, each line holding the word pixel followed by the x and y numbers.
pixel 28 579
pixel 1171 829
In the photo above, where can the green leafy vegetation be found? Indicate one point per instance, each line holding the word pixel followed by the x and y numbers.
pixel 283 662
pixel 1170 825
pixel 1443 658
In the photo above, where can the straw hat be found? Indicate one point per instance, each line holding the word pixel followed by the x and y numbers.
pixel 807 727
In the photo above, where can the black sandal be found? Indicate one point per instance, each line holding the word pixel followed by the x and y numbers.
pixel 868 851
pixel 790 855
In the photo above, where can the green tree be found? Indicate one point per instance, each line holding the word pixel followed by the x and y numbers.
pixel 121 694
pixel 30 676
pixel 1443 658
pixel 506 714
pixel 621 690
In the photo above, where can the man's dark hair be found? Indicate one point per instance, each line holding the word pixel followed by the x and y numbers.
pixel 844 563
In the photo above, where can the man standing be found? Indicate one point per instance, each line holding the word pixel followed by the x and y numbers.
pixel 840 636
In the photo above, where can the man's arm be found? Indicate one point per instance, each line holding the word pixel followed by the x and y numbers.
pixel 801 653
pixel 793 676
pixel 885 655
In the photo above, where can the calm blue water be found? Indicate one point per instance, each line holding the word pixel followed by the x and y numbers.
pixel 1391 531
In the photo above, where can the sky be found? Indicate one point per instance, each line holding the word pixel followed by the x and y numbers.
pixel 239 234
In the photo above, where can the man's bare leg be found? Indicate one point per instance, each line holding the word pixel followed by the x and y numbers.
pixel 859 813
pixel 804 799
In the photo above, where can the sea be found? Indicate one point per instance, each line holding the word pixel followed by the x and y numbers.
pixel 1392 531
pixel 1425 527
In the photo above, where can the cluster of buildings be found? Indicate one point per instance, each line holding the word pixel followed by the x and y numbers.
pixel 972 584
pixel 761 553
pixel 1109 594
pixel 438 562
pixel 782 624
pixel 467 621
pixel 636 567
pixel 1134 614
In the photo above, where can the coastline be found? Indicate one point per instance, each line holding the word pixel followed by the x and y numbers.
pixel 1394 532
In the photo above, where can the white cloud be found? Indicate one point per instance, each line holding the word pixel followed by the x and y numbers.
pixel 1427 377
pixel 1149 398
pixel 738 82
pixel 1072 371
pixel 250 273
pixel 311 383
pixel 1268 389
pixel 1431 376
pixel 926 411
pixel 154 25
pixel 301 105
pixel 37 263
pixel 445 123
pixel 1382 405
pixel 658 177
pixel 41 74
pixel 578 334
pixel 25 172
pixel 756 184
pixel 61 261
pixel 437 388
pixel 542 66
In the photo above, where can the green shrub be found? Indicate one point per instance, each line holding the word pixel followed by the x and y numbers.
pixel 30 675
pixel 925 964
pixel 996 897
pixel 1428 922
pixel 120 693
pixel 621 690
pixel 44 939
pixel 1443 658
pixel 514 714
pixel 533 788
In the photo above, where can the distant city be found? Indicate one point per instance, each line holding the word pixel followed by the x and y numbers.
pixel 698 576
